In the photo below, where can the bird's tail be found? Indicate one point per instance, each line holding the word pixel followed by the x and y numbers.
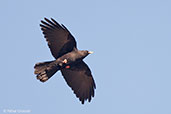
pixel 45 70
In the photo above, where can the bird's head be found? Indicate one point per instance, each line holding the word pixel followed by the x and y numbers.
pixel 84 53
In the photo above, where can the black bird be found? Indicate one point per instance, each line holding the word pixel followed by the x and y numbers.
pixel 68 59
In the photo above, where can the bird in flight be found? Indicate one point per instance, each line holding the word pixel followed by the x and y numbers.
pixel 68 59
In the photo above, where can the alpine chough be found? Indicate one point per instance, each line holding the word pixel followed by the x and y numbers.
pixel 68 59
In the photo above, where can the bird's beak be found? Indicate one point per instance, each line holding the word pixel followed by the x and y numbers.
pixel 90 52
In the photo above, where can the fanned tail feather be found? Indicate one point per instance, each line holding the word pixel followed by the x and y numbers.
pixel 45 70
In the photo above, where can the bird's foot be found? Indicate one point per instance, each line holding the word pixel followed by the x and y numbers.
pixel 64 61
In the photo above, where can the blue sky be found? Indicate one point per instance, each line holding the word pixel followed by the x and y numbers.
pixel 131 61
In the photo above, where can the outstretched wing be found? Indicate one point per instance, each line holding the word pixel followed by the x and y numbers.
pixel 60 40
pixel 80 79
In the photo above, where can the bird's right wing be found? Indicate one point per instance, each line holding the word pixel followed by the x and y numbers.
pixel 60 40
pixel 80 79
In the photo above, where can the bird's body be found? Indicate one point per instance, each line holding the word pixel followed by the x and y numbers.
pixel 74 56
pixel 68 59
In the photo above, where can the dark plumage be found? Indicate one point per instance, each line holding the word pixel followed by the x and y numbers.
pixel 68 59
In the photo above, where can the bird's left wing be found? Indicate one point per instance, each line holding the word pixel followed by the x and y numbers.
pixel 60 40
pixel 80 79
